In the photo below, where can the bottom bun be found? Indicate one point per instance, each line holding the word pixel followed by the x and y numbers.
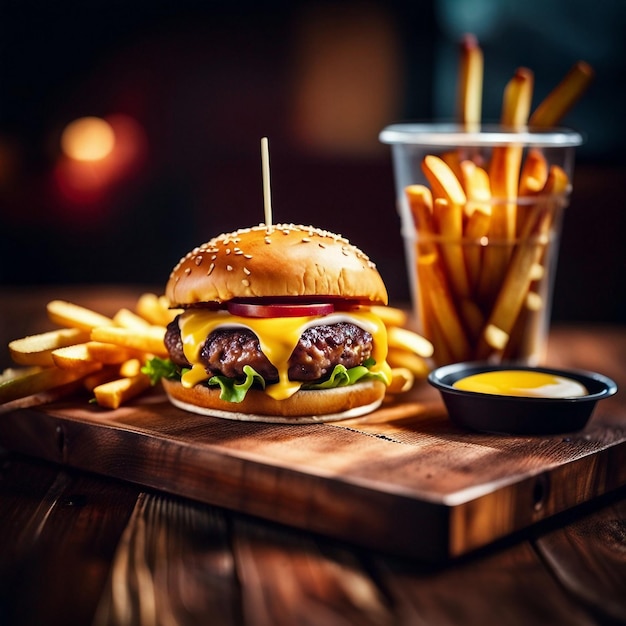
pixel 324 405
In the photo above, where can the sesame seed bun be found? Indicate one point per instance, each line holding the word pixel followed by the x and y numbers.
pixel 284 261
pixel 301 408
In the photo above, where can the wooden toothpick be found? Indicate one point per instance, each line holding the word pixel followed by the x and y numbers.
pixel 267 194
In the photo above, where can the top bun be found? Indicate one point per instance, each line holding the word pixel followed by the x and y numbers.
pixel 284 261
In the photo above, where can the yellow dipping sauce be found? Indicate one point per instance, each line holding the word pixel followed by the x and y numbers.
pixel 526 383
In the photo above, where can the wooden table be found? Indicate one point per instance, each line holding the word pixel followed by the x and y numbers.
pixel 78 547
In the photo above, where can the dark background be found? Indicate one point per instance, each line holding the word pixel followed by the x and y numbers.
pixel 199 83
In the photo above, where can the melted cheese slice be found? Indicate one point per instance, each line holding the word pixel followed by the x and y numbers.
pixel 278 338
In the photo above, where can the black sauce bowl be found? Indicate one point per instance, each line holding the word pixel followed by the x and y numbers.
pixel 517 415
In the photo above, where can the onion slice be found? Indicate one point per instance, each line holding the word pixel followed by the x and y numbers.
pixel 246 309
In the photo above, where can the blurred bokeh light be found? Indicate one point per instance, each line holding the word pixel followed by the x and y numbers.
pixel 96 153
pixel 88 139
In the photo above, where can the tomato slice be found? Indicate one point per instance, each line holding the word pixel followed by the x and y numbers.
pixel 247 309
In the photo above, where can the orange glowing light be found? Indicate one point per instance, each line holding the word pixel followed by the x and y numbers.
pixel 88 139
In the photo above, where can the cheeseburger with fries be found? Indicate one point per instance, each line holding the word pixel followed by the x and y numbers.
pixel 276 326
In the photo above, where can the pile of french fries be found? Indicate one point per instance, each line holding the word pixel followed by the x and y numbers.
pixel 484 223
pixel 105 354
pixel 408 352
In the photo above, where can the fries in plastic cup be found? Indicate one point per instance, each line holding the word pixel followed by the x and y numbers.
pixel 472 283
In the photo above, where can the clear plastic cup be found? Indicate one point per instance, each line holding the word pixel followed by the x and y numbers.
pixel 481 221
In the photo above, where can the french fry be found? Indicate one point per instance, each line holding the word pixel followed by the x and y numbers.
pixel 504 171
pixel 109 353
pixel 520 274
pixel 150 339
pixel 449 221
pixel 435 291
pixel 149 307
pixel 37 349
pixel 73 315
pixel 452 158
pixel 557 183
pixel 130 368
pixel 421 204
pixel 90 352
pixel 397 357
pixel 506 160
pixel 476 230
pixel 533 302
pixel 405 339
pixel 402 380
pixel 391 316
pixel 71 357
pixel 534 173
pixel 563 97
pixel 442 353
pixel 420 200
pixel 449 200
pixel 517 98
pixel 128 319
pixel 105 375
pixel 470 82
pixel 113 394
pixel 42 380
pixel 155 309
pixel 477 187
pixel 443 181
pixel 434 297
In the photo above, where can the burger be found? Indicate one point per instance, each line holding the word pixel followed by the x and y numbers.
pixel 276 326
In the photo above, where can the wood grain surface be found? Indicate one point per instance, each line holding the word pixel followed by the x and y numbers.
pixel 82 549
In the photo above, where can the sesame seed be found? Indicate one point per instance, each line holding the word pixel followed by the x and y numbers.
pixel 306 239
pixel 211 268
pixel 246 271
pixel 268 240
pixel 229 268
pixel 247 256
pixel 227 250
pixel 245 282
pixel 198 259
pixel 187 271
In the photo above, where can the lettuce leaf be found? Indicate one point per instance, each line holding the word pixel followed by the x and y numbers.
pixel 233 391
pixel 157 368
pixel 341 376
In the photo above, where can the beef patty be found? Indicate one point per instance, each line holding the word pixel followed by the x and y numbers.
pixel 320 348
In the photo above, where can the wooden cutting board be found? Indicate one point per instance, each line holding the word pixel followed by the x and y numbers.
pixel 402 480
